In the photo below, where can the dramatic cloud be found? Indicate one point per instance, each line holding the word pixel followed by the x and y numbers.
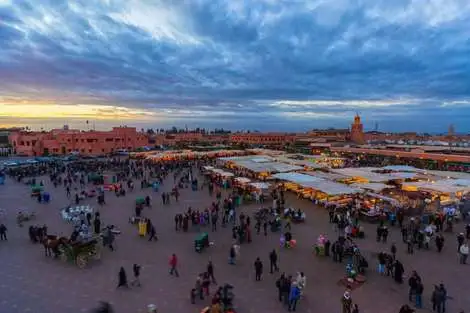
pixel 264 64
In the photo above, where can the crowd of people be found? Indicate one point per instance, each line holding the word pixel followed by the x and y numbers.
pixel 225 211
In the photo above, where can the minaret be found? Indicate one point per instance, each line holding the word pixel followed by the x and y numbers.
pixel 451 131
pixel 357 131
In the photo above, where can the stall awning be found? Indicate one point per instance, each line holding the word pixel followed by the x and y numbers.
pixel 260 185
pixel 443 186
pixel 208 168
pixel 331 188
pixel 243 180
pixel 365 173
pixel 376 187
pixel 269 167
pixel 227 174
pixel 384 198
pixel 296 177
pixel 402 168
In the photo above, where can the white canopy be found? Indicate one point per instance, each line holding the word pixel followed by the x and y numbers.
pixel 382 197
pixel 259 185
pixel 226 174
pixel 449 174
pixel 297 178
pixel 243 180
pixel 329 176
pixel 402 168
pixel 218 171
pixel 376 187
pixel 208 168
pixel 366 173
pixel 443 186
pixel 270 167
pixel 331 188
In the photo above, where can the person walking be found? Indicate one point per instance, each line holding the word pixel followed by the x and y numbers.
pixel 273 261
pixel 136 269
pixel 173 263
pixel 258 269
pixel 419 294
pixel 122 278
pixel 210 272
pixel 463 251
pixel 294 295
pixel 3 232
pixel 152 233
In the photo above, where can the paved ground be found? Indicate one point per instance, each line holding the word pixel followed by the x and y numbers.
pixel 30 282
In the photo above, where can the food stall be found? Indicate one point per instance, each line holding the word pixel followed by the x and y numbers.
pixel 441 193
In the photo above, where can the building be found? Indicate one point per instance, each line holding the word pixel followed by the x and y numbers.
pixel 357 131
pixel 262 138
pixel 66 141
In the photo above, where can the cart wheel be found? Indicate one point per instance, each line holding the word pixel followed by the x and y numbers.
pixel 82 260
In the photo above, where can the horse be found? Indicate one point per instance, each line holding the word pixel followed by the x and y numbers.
pixel 51 244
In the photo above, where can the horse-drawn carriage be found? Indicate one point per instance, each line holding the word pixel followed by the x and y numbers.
pixel 81 252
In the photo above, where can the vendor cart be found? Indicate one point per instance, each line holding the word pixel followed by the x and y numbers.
pixel 140 201
pixel 81 252
pixel 36 190
pixel 201 242
pixel 142 227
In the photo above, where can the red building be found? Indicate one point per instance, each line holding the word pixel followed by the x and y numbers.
pixel 262 138
pixel 65 141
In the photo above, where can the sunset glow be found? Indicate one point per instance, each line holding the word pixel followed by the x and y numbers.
pixel 50 111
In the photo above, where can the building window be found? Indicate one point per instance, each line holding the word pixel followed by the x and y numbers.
pixel 109 140
pixel 83 150
pixel 89 150
pixel 89 140
pixel 102 150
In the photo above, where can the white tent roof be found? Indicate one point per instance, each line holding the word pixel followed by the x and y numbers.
pixel 376 187
pixel 208 168
pixel 443 186
pixel 226 174
pixel 271 167
pixel 243 180
pixel 402 168
pixel 217 170
pixel 331 188
pixel 329 176
pixel 449 174
pixel 365 173
pixel 297 178
pixel 259 185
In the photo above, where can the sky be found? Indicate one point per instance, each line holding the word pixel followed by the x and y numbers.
pixel 403 65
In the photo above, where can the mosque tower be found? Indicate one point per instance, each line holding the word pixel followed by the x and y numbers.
pixel 357 131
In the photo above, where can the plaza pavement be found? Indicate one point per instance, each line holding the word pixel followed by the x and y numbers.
pixel 30 282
